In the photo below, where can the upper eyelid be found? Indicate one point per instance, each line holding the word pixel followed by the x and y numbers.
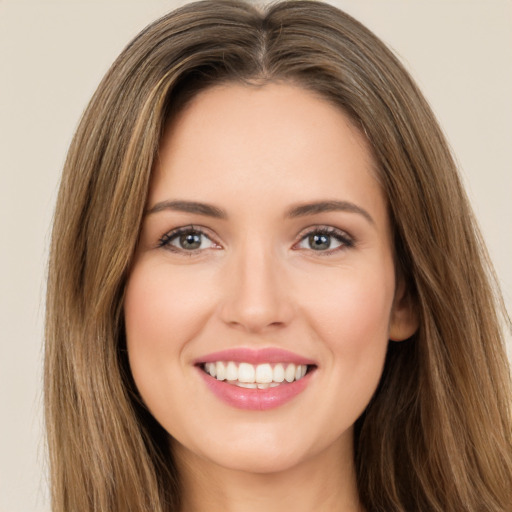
pixel 189 227
pixel 326 229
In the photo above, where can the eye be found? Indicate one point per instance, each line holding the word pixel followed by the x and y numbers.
pixel 325 239
pixel 187 239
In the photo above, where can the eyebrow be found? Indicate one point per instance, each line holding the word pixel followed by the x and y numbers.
pixel 300 210
pixel 188 207
pixel 328 206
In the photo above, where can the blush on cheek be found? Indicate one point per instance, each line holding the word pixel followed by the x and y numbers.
pixel 352 312
pixel 158 304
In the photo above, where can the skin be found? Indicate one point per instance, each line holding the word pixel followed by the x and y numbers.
pixel 255 281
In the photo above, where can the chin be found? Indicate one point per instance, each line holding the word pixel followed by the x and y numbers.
pixel 256 460
pixel 258 450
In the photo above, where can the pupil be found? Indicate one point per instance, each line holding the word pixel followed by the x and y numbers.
pixel 319 242
pixel 190 241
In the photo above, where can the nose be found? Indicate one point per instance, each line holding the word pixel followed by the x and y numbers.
pixel 256 297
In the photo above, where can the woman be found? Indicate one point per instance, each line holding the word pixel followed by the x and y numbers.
pixel 258 292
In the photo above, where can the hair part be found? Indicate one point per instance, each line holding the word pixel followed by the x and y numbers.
pixel 437 433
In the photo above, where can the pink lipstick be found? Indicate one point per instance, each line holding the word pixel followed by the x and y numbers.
pixel 255 379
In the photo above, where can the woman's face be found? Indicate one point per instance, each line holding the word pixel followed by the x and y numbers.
pixel 265 253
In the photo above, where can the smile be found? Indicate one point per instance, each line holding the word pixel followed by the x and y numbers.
pixel 256 380
pixel 250 376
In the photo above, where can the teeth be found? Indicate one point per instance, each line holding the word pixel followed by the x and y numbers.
pixel 231 371
pixel 248 385
pixel 246 372
pixel 278 373
pixel 264 373
pixel 261 376
pixel 289 373
pixel 221 371
pixel 211 368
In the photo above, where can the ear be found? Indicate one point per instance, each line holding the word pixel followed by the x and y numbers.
pixel 403 322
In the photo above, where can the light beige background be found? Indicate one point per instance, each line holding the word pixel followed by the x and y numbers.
pixel 52 56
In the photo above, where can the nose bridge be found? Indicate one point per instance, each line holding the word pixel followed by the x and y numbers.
pixel 256 297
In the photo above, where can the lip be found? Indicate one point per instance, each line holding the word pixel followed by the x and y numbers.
pixel 255 399
pixel 252 356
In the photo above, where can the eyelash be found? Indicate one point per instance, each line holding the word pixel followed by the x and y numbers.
pixel 345 240
pixel 165 240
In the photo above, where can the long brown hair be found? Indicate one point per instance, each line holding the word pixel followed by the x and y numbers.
pixel 437 434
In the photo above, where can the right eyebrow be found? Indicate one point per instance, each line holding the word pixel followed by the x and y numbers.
pixel 328 206
pixel 188 207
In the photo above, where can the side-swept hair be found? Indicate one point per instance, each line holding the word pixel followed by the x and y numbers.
pixel 437 434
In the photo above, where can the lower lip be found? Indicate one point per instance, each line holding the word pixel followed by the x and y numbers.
pixel 255 399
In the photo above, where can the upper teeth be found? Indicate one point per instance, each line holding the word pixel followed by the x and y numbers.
pixel 261 375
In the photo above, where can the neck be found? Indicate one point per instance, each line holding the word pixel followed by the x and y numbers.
pixel 324 482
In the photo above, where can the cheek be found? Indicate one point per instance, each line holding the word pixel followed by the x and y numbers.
pixel 352 308
pixel 350 319
pixel 162 309
pixel 349 314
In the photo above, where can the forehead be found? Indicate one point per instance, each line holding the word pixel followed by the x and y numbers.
pixel 280 142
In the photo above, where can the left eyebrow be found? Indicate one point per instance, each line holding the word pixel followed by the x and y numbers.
pixel 328 206
pixel 188 207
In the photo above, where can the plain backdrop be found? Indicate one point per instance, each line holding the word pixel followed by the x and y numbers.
pixel 52 56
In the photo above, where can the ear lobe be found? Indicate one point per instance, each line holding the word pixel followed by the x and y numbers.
pixel 403 322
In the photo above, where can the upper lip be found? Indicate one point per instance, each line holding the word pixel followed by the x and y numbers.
pixel 255 356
